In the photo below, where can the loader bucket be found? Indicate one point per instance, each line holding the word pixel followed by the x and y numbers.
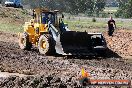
pixel 76 43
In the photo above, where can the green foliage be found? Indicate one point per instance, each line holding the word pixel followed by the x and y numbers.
pixel 69 6
pixel 125 9
pixel 99 6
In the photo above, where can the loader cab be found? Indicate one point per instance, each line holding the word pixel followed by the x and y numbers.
pixel 48 16
pixel 44 16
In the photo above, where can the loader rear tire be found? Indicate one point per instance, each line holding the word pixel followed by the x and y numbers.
pixel 46 45
pixel 24 42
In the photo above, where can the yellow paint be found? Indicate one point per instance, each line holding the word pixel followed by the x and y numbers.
pixel 84 73
pixel 43 44
pixel 36 23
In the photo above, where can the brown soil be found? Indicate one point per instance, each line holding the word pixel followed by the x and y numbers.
pixel 120 42
pixel 14 16
pixel 50 71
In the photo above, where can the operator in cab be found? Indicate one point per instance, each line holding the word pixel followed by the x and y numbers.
pixel 45 18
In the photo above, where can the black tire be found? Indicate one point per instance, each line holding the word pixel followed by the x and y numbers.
pixel 24 42
pixel 47 41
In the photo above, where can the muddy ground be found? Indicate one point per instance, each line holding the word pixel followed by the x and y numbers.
pixel 62 71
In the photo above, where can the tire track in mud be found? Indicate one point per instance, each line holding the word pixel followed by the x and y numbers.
pixel 11 51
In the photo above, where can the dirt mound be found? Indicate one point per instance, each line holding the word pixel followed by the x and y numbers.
pixel 38 82
pixel 13 15
pixel 50 71
pixel 121 42
pixel 11 37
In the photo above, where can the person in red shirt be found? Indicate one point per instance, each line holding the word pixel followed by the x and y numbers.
pixel 111 26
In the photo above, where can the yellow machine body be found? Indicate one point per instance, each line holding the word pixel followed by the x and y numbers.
pixel 35 28
pixel 51 35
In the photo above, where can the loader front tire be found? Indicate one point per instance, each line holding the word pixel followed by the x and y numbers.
pixel 45 44
pixel 24 42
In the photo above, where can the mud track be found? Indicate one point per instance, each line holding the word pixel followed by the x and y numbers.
pixel 50 71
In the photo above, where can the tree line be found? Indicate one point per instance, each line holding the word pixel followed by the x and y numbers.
pixel 125 9
pixel 70 6
pixel 88 7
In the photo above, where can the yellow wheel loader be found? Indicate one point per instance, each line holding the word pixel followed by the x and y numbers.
pixel 52 36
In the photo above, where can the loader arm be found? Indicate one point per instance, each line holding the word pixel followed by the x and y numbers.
pixel 75 43
pixel 54 31
pixel 56 37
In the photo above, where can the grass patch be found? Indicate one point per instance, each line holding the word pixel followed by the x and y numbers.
pixel 73 24
pixel 11 28
pixel 86 25
pixel 99 25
